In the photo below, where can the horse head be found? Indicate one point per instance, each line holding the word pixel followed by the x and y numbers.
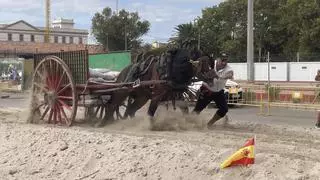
pixel 202 64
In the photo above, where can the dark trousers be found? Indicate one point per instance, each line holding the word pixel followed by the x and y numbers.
pixel 207 96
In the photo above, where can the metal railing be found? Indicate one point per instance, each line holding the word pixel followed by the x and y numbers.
pixel 266 96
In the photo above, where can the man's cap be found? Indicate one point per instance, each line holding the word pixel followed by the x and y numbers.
pixel 224 57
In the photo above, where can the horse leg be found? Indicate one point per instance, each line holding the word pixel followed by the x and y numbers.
pixel 138 103
pixel 183 106
pixel 118 113
pixel 154 106
pixel 109 111
pixel 152 110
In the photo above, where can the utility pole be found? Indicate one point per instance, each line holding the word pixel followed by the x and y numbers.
pixel 199 40
pixel 108 41
pixel 125 37
pixel 117 5
pixel 47 29
pixel 250 60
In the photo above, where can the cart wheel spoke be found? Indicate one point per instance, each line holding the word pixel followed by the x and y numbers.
pixel 56 76
pixel 65 97
pixel 98 112
pixel 45 112
pixel 60 80
pixel 42 88
pixel 41 76
pixel 48 76
pixel 66 119
pixel 50 115
pixel 59 114
pixel 63 104
pixel 55 114
pixel 64 88
pixel 40 105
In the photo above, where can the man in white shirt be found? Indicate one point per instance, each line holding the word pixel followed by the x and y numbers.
pixel 213 88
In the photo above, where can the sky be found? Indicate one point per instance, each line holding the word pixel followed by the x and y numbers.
pixel 163 15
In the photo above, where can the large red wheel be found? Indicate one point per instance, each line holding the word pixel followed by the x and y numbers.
pixel 54 97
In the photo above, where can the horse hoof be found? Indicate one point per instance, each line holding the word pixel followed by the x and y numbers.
pixel 152 122
pixel 99 125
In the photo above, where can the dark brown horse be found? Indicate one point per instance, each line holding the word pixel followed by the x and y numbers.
pixel 161 92
pixel 119 97
pixel 165 92
pixel 157 93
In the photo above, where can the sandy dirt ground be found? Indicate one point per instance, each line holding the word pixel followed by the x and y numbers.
pixel 182 148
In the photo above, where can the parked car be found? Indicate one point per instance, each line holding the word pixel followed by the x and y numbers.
pixel 232 91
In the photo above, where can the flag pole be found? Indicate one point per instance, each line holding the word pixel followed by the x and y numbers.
pixel 255 147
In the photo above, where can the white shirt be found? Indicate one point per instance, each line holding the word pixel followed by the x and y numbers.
pixel 219 84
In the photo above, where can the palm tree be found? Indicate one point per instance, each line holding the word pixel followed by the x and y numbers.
pixel 186 34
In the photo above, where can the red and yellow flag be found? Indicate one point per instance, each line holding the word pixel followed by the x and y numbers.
pixel 243 156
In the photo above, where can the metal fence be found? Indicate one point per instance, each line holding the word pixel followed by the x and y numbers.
pixel 266 96
pixel 77 62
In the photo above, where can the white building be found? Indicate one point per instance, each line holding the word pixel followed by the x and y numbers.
pixel 62 31
pixel 279 71
pixel 157 44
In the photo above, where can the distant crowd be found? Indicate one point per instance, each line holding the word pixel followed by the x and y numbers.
pixel 11 74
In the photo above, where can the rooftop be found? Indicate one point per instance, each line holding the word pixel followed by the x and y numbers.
pixel 73 30
pixel 61 20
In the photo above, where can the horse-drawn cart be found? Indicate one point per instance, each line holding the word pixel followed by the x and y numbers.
pixel 61 82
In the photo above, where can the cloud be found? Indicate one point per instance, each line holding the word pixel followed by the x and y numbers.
pixel 19 4
pixel 163 15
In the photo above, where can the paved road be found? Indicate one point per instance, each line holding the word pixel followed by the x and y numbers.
pixel 15 100
pixel 280 116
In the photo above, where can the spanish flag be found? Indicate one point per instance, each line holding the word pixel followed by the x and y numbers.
pixel 243 156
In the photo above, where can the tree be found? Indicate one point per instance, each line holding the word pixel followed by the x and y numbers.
pixel 118 31
pixel 185 34
pixel 281 27
pixel 223 29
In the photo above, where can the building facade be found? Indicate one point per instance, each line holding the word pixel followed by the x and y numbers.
pixel 61 32
pixel 157 44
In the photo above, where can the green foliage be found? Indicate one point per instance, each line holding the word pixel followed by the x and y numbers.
pixel 109 29
pixel 282 27
pixel 186 34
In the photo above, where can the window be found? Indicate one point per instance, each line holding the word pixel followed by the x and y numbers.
pixel 32 38
pixel 80 40
pixel 9 37
pixel 21 37
pixel 63 39
pixel 56 39
pixel 71 40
